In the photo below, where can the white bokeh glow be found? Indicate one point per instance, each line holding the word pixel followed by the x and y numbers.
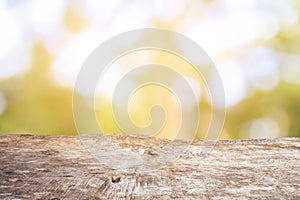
pixel 233 30
pixel 262 68
pixel 220 27
pixel 244 4
pixel 100 11
pixel 233 81
pixel 283 10
pixel 18 61
pixel 118 69
pixel 43 17
pixel 127 20
pixel 15 51
pixel 290 68
pixel 11 32
pixel 264 128
pixel 70 59
pixel 158 9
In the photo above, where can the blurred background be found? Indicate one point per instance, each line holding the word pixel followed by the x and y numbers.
pixel 255 45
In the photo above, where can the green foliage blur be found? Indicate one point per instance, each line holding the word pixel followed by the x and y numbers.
pixel 36 104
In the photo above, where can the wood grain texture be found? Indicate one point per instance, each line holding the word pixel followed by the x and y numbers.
pixel 59 167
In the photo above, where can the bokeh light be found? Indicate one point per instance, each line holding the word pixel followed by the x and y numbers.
pixel 254 44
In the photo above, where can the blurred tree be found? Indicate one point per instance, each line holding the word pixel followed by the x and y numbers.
pixel 282 104
pixel 35 104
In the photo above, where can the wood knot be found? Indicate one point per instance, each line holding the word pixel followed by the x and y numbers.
pixel 151 152
pixel 115 179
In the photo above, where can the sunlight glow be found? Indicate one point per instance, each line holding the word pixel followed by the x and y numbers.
pixel 290 68
pixel 70 59
pixel 10 33
pixel 233 81
pixel 262 68
pixel 264 128
pixel 43 17
pixel 253 44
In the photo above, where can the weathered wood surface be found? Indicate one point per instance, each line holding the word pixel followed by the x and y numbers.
pixel 59 167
